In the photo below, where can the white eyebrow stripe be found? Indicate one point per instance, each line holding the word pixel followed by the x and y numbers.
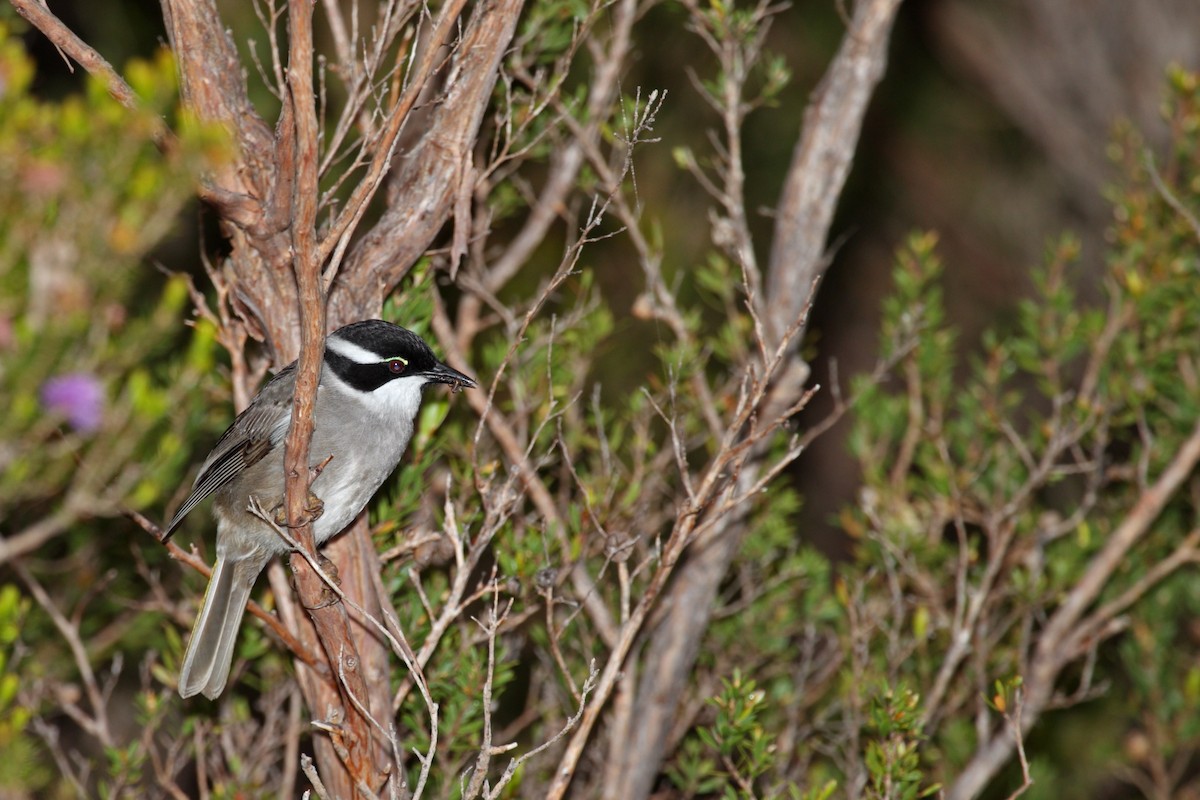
pixel 352 351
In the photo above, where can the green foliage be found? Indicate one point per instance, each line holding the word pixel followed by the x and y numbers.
pixel 892 759
pixel 84 187
pixel 102 393
pixel 20 766
pixel 84 194
pixel 741 750
pixel 1005 482
pixel 457 677
pixel 552 26
pixel 739 29
pixel 991 479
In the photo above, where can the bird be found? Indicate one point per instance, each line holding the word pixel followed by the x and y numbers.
pixel 372 377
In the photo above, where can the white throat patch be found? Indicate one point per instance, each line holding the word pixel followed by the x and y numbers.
pixel 400 397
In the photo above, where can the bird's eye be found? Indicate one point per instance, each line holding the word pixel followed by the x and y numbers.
pixel 396 365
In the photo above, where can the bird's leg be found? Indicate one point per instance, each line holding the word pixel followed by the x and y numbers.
pixel 314 506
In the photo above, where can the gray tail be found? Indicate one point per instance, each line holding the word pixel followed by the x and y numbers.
pixel 210 649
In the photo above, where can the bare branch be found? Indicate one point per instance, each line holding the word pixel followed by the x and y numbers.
pixel 821 162
pixel 39 16
pixel 1058 641
pixel 433 171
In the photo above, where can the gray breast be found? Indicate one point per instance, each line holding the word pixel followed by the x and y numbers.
pixel 365 448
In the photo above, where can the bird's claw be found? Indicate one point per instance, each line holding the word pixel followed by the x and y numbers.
pixel 329 568
pixel 314 507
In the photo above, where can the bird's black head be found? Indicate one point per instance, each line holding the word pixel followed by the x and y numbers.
pixel 369 354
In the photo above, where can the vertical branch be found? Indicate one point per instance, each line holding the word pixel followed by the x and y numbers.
pixel 821 163
pixel 352 740
pixel 303 134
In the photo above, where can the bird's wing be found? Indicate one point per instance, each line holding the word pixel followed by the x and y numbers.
pixel 256 432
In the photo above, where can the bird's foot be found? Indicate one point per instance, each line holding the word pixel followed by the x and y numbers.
pixel 314 507
pixel 328 596
pixel 329 568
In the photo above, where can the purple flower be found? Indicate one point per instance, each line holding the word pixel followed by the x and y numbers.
pixel 77 396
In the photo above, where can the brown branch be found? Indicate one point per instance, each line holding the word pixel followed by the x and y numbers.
pixel 353 736
pixel 432 171
pixel 39 16
pixel 301 139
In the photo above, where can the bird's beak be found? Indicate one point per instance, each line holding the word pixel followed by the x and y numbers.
pixel 450 376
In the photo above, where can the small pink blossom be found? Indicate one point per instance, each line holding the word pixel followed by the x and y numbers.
pixel 77 396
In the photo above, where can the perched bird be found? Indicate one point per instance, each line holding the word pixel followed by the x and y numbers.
pixel 367 404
